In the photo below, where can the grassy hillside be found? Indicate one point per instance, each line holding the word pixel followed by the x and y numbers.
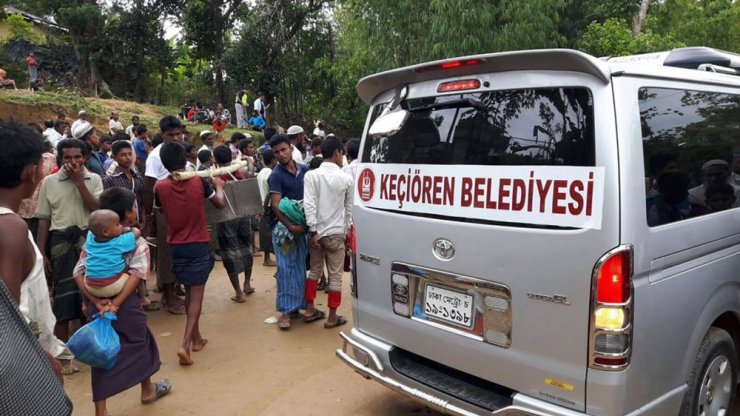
pixel 26 107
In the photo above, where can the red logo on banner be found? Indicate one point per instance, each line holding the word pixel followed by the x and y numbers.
pixel 366 184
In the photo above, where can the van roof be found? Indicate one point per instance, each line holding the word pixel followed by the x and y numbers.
pixel 652 65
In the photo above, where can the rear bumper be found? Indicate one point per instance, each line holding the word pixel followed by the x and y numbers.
pixel 370 358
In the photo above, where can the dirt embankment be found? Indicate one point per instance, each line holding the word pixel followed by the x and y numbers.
pixel 25 113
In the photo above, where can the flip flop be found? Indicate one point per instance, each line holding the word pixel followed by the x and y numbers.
pixel 317 314
pixel 161 389
pixel 340 321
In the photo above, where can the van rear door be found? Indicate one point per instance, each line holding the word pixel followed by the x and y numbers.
pixel 479 223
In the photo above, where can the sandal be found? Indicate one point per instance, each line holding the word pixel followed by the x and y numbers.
pixel 152 307
pixel 161 388
pixel 174 309
pixel 340 321
pixel 68 369
pixel 284 322
pixel 315 316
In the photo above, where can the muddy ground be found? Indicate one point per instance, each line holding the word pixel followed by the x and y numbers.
pixel 250 367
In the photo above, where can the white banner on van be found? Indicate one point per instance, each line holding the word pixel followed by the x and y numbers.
pixel 565 196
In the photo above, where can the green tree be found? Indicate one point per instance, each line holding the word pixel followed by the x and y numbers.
pixel 614 38
pixel 20 29
pixel 208 25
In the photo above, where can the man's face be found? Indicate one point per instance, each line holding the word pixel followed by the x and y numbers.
pixel 283 153
pixel 249 151
pixel 716 174
pixel 59 128
pixel 105 147
pixel 208 141
pixel 115 116
pixel 135 121
pixel 73 156
pixel 124 158
pixel 94 140
pixel 172 135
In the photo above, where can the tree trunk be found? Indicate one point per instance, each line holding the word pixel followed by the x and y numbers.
pixel 639 19
pixel 83 76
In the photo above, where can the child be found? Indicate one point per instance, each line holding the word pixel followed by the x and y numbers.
pixel 720 196
pixel 256 121
pixel 187 236
pixel 235 237
pixel 105 246
pixel 191 155
pixel 205 159
pixel 142 146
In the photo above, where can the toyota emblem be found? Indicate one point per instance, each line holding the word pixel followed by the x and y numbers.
pixel 443 249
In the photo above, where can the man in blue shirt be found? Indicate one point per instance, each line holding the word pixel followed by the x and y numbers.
pixel 288 237
pixel 256 121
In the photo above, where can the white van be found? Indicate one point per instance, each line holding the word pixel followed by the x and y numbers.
pixel 548 233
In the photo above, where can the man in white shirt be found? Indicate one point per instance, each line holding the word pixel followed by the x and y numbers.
pixel 131 130
pixel 268 158
pixel 115 126
pixel 81 117
pixel 171 131
pixel 353 150
pixel 259 105
pixel 327 201
pixel 51 134
pixel 207 138
pixel 297 137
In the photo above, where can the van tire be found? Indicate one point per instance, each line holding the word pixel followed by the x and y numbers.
pixel 716 353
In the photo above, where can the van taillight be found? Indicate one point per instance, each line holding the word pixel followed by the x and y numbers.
pixel 468 84
pixel 613 280
pixel 610 343
pixel 352 246
pixel 449 65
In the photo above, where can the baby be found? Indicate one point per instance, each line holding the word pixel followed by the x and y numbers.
pixel 107 242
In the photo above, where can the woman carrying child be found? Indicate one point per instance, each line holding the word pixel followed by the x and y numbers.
pixel 138 360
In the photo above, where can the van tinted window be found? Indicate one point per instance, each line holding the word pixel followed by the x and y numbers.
pixel 691 149
pixel 543 126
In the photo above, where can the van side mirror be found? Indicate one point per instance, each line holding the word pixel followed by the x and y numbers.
pixel 388 124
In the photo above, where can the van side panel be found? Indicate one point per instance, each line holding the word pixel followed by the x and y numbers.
pixel 686 274
pixel 549 340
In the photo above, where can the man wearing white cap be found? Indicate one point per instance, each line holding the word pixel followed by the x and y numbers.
pixel 297 137
pixel 81 116
pixel 713 171
pixel 86 132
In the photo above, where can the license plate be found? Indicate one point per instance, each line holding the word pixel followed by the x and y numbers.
pixel 449 306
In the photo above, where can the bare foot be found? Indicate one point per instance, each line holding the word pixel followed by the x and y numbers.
pixel 184 357
pixel 199 345
pixel 238 299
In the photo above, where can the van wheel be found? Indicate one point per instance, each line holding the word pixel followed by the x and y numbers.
pixel 713 378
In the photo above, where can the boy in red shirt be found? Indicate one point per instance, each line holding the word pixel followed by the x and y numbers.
pixel 188 238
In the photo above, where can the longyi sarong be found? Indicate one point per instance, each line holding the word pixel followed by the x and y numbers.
pixel 65 248
pixel 291 270
pixel 235 245
pixel 139 356
pixel 192 263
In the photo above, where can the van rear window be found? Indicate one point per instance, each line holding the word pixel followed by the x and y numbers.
pixel 538 126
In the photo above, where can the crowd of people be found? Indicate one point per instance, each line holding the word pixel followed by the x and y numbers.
pixel 83 213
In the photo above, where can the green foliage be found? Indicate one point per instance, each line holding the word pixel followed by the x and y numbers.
pixel 614 38
pixel 22 30
pixel 714 23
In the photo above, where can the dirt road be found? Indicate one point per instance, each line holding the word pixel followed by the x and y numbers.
pixel 250 367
